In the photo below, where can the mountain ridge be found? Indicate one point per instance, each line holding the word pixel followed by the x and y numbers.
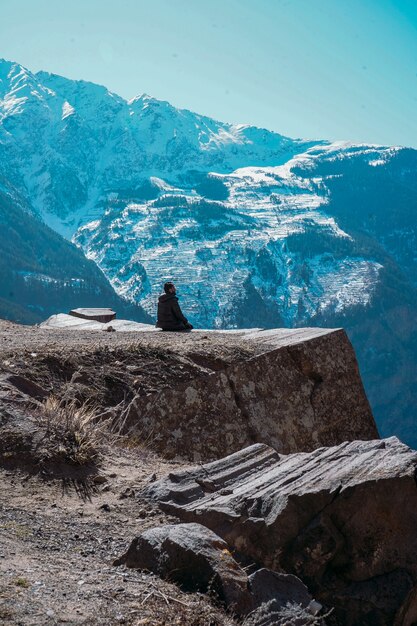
pixel 209 136
pixel 258 229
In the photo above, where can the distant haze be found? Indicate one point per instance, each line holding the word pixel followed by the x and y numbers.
pixel 334 69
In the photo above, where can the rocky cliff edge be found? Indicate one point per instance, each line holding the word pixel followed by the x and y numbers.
pixel 199 395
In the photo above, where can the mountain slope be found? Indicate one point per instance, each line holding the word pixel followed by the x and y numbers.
pixel 256 228
pixel 67 142
pixel 42 273
pixel 325 240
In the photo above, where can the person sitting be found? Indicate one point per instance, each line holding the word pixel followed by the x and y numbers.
pixel 170 316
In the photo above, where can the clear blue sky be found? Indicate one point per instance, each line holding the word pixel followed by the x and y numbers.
pixel 336 69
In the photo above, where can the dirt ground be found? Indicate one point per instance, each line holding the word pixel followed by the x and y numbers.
pixel 214 344
pixel 58 542
pixel 109 368
pixel 59 537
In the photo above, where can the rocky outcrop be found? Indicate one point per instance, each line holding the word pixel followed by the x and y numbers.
pixel 294 389
pixel 200 395
pixel 343 519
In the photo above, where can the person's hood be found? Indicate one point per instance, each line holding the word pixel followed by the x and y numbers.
pixel 167 296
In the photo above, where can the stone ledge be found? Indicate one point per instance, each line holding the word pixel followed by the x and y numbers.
pixel 295 389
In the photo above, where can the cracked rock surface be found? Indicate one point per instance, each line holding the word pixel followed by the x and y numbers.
pixel 294 389
pixel 343 519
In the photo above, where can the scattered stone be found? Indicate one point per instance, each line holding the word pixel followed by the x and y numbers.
pixel 127 493
pixel 27 387
pixel 80 377
pixel 195 558
pixel 267 586
pixel 314 607
pixel 99 479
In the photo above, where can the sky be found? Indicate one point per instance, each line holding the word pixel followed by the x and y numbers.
pixel 318 69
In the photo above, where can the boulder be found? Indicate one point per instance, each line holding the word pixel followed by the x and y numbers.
pixel 194 557
pixel 280 600
pixel 341 518
pixel 295 389
pixel 199 560
pixel 279 588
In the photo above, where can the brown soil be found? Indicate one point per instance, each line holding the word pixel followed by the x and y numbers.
pixel 58 541
pixel 58 536
pixel 109 368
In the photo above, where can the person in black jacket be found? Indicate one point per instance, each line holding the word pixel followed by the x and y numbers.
pixel 170 316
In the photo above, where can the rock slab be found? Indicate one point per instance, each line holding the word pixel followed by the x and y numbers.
pixel 342 518
pixel 297 389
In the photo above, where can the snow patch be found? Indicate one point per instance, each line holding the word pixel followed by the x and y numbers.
pixel 67 110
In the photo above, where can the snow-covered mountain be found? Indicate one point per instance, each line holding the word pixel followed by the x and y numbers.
pixel 254 227
pixel 70 143
pixel 213 247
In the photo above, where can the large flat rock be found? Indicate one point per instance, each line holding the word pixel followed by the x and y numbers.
pixel 294 389
pixel 87 322
pixel 198 395
pixel 342 518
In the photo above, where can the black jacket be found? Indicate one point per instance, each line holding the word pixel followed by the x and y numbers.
pixel 170 316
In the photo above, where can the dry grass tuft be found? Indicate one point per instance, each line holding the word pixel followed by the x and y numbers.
pixel 71 434
pixel 292 614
